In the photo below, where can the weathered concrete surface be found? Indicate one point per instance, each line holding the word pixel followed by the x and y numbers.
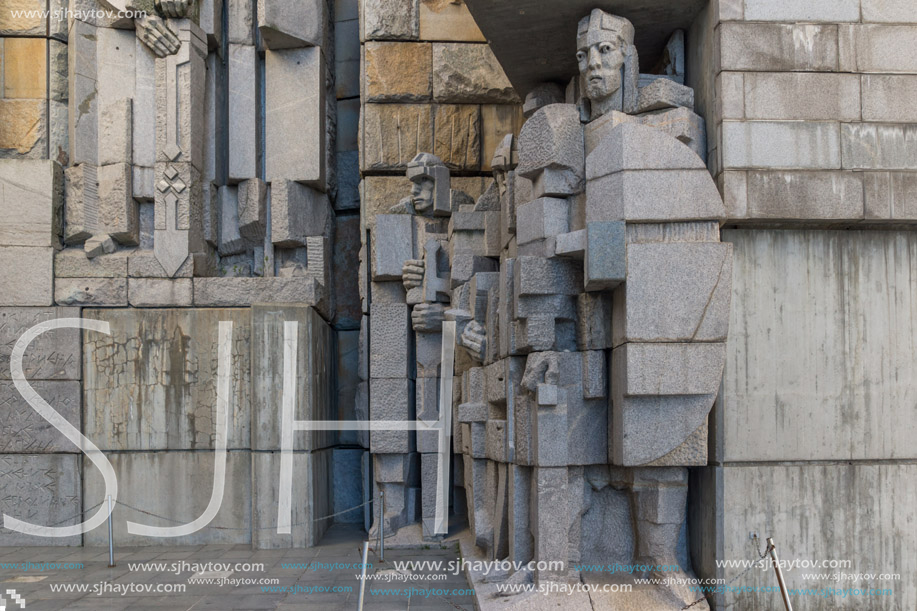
pixel 152 384
pixel 801 506
pixel 178 486
pixel 311 499
pixel 313 393
pixel 819 359
pixel 41 489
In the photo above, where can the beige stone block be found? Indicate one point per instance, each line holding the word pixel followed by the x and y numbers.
pixel 888 11
pixel 50 356
pixel 295 116
pixel 27 432
pixel 795 195
pixel 448 20
pixel 159 292
pixel 381 193
pixel 21 24
pixel 472 185
pixel 73 263
pixel 730 95
pixel 731 10
pixel 889 98
pixel 469 73
pixel 497 120
pixel 781 144
pixel 91 291
pixel 25 68
pixel 177 485
pixel 118 213
pixel 733 184
pixel 809 10
pixel 457 135
pixel 389 20
pixel 58 132
pixel 394 133
pixel 23 127
pixel 890 196
pixel 886 48
pixel 31 196
pixel 778 47
pixel 876 146
pixel 26 275
pixel 802 95
pixel 143 264
pixel 398 71
pixel 40 489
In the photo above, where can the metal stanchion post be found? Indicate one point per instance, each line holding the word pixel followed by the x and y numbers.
pixel 382 527
pixel 363 579
pixel 780 582
pixel 111 543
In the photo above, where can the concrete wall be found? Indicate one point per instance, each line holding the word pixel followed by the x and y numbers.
pixel 91 176
pixel 812 433
pixel 808 123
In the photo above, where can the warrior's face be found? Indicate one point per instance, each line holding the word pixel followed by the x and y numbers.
pixel 422 194
pixel 600 65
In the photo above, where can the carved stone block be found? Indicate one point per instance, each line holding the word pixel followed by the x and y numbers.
pixel 286 24
pixel 24 431
pixel 40 489
pixel 298 212
pixel 118 214
pixel 393 134
pixel 457 130
pixel 31 200
pixel 253 209
pixel 295 116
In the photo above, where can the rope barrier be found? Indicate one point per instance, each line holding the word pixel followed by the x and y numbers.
pixel 149 513
pixel 79 515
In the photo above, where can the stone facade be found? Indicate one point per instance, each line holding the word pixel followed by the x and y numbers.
pixel 165 174
pixel 676 252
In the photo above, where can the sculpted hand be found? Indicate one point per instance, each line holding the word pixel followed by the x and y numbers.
pixel 474 339
pixel 155 34
pixel 428 317
pixel 175 9
pixel 412 273
pixel 540 367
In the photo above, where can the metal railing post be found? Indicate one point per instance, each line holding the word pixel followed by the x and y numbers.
pixel 780 582
pixel 363 579
pixel 111 543
pixel 381 526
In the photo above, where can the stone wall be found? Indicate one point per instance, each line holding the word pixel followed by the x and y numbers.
pixel 163 184
pixel 809 122
pixel 430 84
pixel 808 109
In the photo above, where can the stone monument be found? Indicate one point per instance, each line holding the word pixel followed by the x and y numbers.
pixel 591 296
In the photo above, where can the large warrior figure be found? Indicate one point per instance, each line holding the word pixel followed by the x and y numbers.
pixel 597 350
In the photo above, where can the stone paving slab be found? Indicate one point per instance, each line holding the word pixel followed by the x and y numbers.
pixel 341 545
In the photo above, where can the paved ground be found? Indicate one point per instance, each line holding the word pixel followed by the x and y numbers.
pixel 309 584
